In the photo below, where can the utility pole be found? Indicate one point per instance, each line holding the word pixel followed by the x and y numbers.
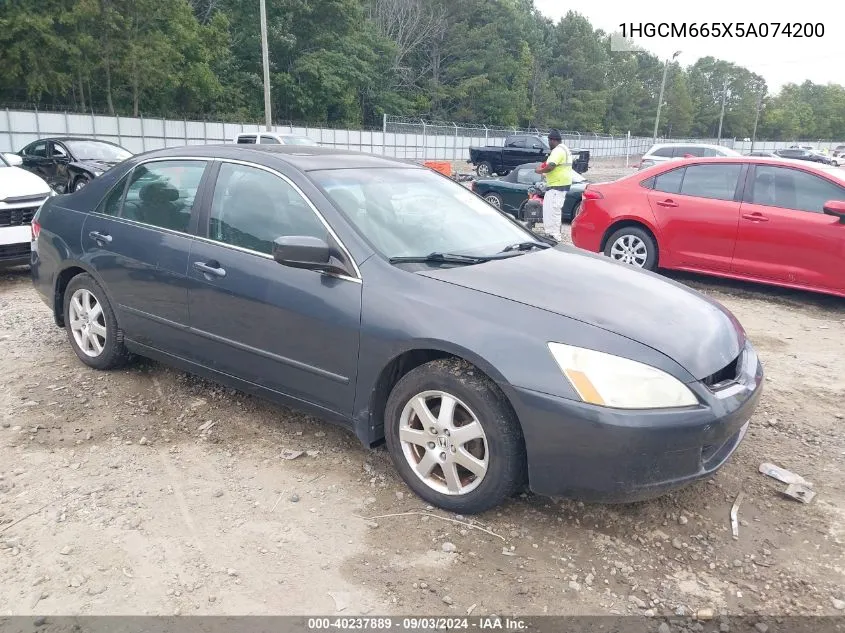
pixel 268 115
pixel 756 117
pixel 660 100
pixel 722 115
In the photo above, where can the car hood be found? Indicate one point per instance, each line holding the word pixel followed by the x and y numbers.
pixel 691 329
pixel 99 165
pixel 16 183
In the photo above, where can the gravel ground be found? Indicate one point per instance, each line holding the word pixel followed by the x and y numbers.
pixel 148 491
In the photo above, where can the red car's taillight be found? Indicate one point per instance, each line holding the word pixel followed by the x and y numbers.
pixel 36 229
pixel 591 194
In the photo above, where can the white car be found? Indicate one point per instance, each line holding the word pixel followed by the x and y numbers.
pixel 272 138
pixel 663 152
pixel 21 193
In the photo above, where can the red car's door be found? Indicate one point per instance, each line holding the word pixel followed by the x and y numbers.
pixel 697 211
pixel 784 235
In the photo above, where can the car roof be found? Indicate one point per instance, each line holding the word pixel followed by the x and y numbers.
pixel 63 139
pixel 301 157
pixel 836 172
pixel 707 145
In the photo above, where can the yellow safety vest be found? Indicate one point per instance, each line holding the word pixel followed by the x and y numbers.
pixel 561 175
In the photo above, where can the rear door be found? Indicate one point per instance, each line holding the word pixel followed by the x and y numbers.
pixel 138 241
pixel 290 330
pixel 784 235
pixel 697 210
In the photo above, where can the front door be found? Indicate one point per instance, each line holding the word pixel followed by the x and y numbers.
pixel 37 160
pixel 290 330
pixel 138 241
pixel 784 234
pixel 60 158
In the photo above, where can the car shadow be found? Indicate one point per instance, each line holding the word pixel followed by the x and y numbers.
pixel 787 297
pixel 16 273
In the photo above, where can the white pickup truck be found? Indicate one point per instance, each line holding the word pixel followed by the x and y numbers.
pixel 21 193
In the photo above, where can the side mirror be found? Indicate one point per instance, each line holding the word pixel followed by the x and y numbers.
pixel 61 159
pixel 13 159
pixel 307 252
pixel 835 208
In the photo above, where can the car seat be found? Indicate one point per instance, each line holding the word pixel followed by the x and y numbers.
pixel 160 206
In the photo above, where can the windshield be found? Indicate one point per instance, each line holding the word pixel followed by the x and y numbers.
pixel 415 212
pixel 96 150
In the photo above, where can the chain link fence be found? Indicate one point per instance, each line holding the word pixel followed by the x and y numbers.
pixel 400 137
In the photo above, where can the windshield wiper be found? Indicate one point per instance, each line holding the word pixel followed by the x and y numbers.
pixel 439 258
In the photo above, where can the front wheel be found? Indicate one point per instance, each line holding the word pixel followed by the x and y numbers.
pixel 454 438
pixel 634 246
pixel 80 183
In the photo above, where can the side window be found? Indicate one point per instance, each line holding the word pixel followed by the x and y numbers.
pixel 269 139
pixel 527 177
pixel 663 152
pixel 516 141
pixel 793 189
pixel 683 150
pixel 711 181
pixel 111 203
pixel 535 143
pixel 39 150
pixel 162 193
pixel 670 181
pixel 252 208
pixel 246 139
pixel 57 150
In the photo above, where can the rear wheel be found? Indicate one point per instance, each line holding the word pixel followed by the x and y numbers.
pixel 91 324
pixel 494 199
pixel 575 211
pixel 484 169
pixel 454 438
pixel 634 246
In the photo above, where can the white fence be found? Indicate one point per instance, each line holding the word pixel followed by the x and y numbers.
pixel 399 138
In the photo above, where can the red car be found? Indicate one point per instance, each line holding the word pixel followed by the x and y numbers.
pixel 765 220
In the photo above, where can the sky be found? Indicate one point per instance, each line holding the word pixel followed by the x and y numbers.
pixel 779 60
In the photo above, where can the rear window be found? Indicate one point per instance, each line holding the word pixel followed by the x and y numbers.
pixel 663 152
pixel 711 181
pixel 246 139
pixel 670 181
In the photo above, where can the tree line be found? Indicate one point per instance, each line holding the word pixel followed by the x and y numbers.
pixel 346 62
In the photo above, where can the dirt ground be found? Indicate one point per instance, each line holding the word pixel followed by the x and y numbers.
pixel 148 491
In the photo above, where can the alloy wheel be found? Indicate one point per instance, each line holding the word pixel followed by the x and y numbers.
pixel 87 322
pixel 494 200
pixel 444 443
pixel 629 249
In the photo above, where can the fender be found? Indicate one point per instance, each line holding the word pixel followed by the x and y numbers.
pixel 367 422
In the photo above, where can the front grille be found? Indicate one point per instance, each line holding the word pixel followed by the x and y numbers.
pixel 17 217
pixel 725 375
pixel 14 251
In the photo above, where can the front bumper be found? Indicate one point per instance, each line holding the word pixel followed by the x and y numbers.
pixel 581 451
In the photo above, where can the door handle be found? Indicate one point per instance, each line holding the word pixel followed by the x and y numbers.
pixel 755 217
pixel 209 270
pixel 667 203
pixel 100 238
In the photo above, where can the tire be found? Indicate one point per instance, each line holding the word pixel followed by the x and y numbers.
pixel 494 199
pixel 484 169
pixel 634 246
pixel 100 351
pixel 497 453
pixel 576 209
pixel 80 183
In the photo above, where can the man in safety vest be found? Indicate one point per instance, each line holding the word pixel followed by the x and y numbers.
pixel 558 172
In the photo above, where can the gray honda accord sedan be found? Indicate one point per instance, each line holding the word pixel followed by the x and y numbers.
pixel 389 299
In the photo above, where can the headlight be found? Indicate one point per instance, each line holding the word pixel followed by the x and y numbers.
pixel 611 381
